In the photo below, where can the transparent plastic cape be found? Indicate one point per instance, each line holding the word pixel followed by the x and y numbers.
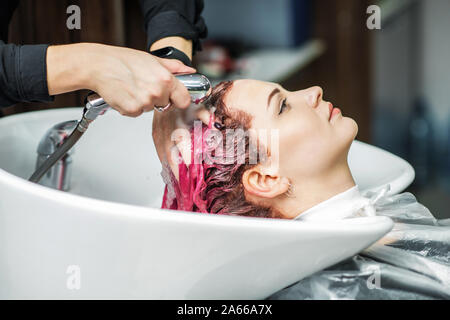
pixel 410 262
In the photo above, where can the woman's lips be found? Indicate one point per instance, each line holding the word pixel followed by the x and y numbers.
pixel 335 112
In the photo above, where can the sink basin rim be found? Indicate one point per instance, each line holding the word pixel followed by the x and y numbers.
pixel 126 211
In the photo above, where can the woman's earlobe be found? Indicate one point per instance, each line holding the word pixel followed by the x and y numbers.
pixel 259 184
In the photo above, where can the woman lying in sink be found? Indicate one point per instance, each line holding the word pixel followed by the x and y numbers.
pixel 262 151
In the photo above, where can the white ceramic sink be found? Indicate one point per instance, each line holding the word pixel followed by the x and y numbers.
pixel 109 237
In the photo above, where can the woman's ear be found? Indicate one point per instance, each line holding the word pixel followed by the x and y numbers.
pixel 259 183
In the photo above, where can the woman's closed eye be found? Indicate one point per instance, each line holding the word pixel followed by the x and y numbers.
pixel 283 106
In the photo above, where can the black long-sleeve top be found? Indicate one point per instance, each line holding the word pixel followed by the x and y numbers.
pixel 23 69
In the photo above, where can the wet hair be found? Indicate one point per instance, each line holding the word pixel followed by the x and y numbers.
pixel 217 187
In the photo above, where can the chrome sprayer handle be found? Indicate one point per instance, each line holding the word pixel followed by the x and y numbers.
pixel 95 106
pixel 198 86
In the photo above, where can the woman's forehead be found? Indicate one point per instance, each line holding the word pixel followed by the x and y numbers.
pixel 252 85
pixel 246 93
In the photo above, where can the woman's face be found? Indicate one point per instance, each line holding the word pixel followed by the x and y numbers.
pixel 313 136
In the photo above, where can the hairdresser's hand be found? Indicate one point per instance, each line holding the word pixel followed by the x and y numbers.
pixel 130 81
pixel 171 133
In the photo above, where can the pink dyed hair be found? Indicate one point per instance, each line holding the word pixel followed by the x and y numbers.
pixel 216 188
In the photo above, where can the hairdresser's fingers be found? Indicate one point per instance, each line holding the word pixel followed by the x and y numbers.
pixel 162 99
pixel 125 103
pixel 130 108
pixel 148 108
pixel 179 95
pixel 176 66
pixel 159 89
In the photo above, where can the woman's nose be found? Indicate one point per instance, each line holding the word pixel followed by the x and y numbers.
pixel 314 96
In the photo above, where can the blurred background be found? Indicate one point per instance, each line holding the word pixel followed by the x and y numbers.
pixel 394 81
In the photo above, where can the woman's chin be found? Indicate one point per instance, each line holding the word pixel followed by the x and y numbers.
pixel 348 130
pixel 354 127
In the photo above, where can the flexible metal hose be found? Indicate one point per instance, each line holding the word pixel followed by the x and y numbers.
pixel 57 155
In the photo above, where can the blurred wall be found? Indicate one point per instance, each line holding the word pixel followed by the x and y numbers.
pixel 435 66
pixel 260 23
pixel 394 80
pixel 411 60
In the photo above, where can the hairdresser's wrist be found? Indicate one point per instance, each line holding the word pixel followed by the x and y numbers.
pixel 179 43
pixel 68 69
pixel 99 61
pixel 76 66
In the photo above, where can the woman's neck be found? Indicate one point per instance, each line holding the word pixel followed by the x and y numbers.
pixel 309 191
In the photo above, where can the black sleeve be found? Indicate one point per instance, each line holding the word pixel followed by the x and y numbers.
pixel 166 18
pixel 23 74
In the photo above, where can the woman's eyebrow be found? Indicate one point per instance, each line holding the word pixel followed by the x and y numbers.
pixel 271 95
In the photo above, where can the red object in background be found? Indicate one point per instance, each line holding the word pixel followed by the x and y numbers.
pixel 214 60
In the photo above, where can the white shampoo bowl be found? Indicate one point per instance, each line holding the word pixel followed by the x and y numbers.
pixel 107 237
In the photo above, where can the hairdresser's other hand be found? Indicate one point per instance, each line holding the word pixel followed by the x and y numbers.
pixel 170 131
pixel 130 81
